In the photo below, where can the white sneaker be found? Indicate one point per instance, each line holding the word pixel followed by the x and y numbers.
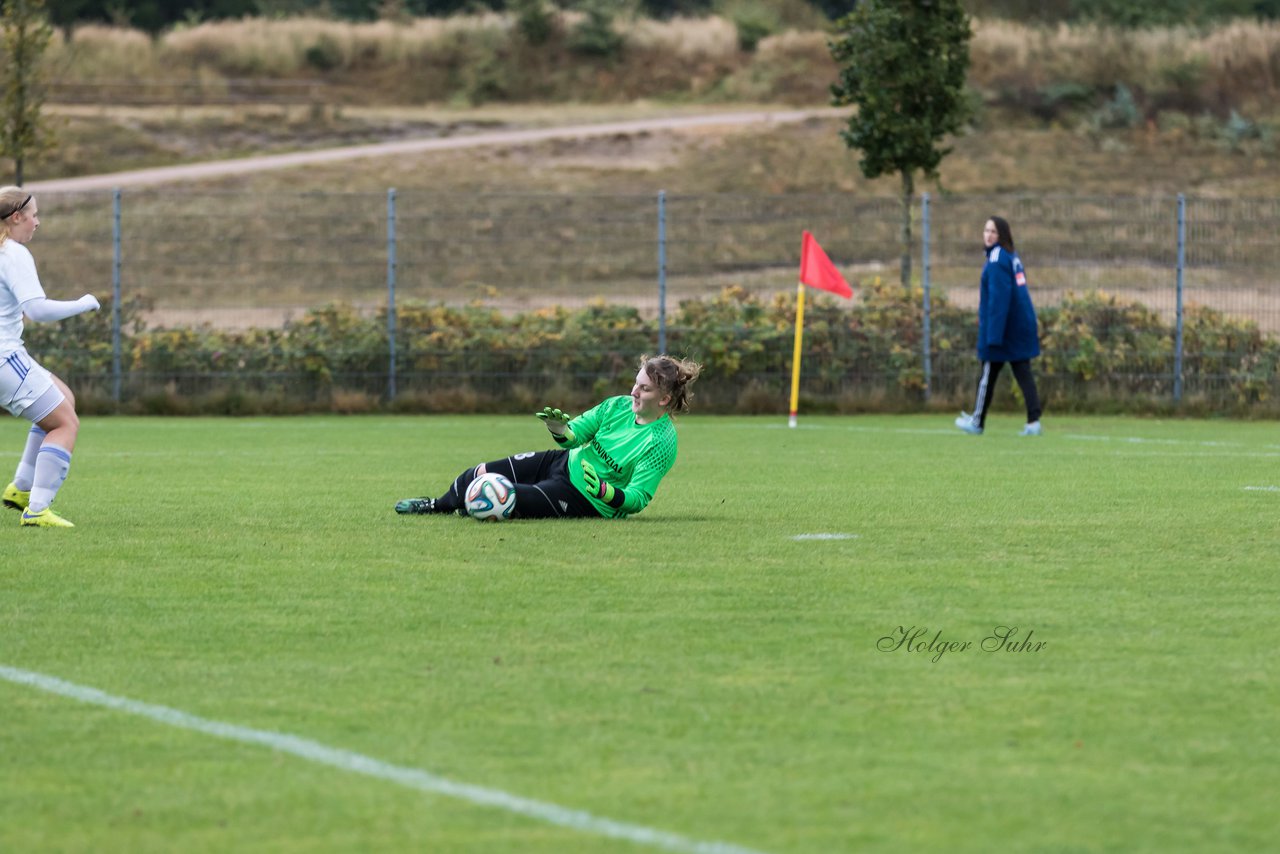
pixel 968 424
pixel 1032 429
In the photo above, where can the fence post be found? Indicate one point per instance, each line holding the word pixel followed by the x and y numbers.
pixel 391 294
pixel 115 295
pixel 662 271
pixel 1182 261
pixel 925 280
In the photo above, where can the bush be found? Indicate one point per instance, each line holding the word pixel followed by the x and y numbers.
pixel 1121 112
pixel 1099 352
pixel 324 55
pixel 754 21
pixel 595 35
pixel 534 21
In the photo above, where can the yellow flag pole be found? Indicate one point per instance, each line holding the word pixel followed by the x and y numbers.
pixel 795 357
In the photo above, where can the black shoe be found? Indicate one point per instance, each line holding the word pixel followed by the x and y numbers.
pixel 416 506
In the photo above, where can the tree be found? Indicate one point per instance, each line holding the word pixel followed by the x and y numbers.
pixel 903 65
pixel 65 14
pixel 26 35
pixel 835 9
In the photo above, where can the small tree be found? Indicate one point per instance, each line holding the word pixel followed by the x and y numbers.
pixel 26 35
pixel 903 65
pixel 595 34
pixel 535 20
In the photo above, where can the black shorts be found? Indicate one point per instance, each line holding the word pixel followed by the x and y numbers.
pixel 543 488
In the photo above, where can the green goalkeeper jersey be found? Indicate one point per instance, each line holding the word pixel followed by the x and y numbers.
pixel 633 457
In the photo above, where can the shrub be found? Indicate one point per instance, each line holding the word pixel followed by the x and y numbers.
pixel 1230 65
pixel 534 21
pixel 325 54
pixel 595 35
pixel 1100 352
pixel 753 20
pixel 1121 112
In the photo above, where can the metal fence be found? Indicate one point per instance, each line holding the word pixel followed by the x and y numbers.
pixel 197 258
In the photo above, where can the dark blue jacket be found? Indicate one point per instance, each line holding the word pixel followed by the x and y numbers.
pixel 1007 329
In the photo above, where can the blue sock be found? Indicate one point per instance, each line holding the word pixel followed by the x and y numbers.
pixel 52 464
pixel 26 472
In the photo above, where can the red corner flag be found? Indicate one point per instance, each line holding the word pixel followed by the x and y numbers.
pixel 817 271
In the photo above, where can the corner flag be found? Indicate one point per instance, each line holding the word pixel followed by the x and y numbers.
pixel 816 270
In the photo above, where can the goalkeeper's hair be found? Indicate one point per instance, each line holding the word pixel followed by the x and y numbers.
pixel 672 376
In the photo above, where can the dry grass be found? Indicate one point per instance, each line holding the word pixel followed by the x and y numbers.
pixel 483 57
pixel 1233 64
pixel 103 53
pixel 1245 55
pixel 685 38
pixel 257 46
pixel 464 60
pixel 1004 53
pixel 802 158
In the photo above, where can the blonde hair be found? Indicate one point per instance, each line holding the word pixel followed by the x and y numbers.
pixel 12 200
pixel 672 377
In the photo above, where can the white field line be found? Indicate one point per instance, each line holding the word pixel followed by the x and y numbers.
pixel 356 763
pixel 1261 488
pixel 1268 450
pixel 807 537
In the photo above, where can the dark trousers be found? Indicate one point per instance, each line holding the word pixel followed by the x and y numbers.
pixel 987 389
pixel 543 488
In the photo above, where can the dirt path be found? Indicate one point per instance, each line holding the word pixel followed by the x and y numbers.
pixel 222 168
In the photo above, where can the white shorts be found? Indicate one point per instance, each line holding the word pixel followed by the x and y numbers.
pixel 26 388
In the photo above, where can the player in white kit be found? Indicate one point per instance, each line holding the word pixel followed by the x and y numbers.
pixel 26 388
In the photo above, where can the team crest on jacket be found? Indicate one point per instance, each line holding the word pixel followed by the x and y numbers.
pixel 1021 278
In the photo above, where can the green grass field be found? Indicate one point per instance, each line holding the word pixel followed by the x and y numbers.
pixel 701 673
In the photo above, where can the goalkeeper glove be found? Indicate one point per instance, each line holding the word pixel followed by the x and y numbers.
pixel 597 487
pixel 557 422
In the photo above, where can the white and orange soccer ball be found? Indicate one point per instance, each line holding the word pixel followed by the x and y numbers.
pixel 490 498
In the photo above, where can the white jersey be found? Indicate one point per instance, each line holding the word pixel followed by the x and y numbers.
pixel 18 284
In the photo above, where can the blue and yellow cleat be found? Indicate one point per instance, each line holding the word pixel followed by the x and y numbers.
pixel 45 518
pixel 15 498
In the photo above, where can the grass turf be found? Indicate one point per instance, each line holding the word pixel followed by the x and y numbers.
pixel 695 669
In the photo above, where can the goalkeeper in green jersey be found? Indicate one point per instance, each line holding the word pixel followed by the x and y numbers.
pixel 610 460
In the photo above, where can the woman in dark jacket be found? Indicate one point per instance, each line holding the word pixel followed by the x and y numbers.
pixel 1007 330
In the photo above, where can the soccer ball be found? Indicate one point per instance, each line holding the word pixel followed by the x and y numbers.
pixel 490 497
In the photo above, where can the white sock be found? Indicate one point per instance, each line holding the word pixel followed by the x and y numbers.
pixel 26 472
pixel 52 464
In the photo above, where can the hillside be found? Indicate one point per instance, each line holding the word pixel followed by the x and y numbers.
pixel 1000 154
pixel 1065 74
pixel 1066 109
